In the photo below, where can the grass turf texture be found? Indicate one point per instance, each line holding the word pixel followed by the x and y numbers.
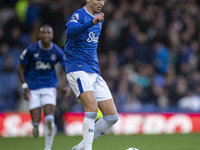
pixel 109 142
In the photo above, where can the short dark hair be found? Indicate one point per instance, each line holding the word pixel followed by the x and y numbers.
pixel 46 26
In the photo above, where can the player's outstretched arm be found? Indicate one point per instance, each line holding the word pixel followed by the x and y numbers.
pixel 98 18
pixel 74 29
pixel 20 71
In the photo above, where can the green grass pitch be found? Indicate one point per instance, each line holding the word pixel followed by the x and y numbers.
pixel 109 142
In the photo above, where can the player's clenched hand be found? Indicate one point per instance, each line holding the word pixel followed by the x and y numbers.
pixel 26 94
pixel 98 18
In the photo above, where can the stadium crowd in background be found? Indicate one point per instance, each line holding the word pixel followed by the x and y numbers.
pixel 149 50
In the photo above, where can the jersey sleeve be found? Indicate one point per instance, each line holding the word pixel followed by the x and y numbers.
pixel 61 57
pixel 77 25
pixel 24 57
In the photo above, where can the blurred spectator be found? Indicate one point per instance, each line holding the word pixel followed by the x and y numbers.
pixel 21 8
pixel 161 56
pixel 1 34
pixel 32 14
pixel 122 95
pixel 8 65
pixel 190 102
pixel 4 50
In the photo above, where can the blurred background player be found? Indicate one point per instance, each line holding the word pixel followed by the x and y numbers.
pixel 82 69
pixel 38 77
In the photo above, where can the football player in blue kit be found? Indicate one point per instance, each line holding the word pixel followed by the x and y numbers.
pixel 82 71
pixel 36 71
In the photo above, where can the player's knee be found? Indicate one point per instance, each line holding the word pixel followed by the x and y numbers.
pixel 111 118
pixel 36 123
pixel 36 120
pixel 49 118
pixel 91 108
pixel 90 115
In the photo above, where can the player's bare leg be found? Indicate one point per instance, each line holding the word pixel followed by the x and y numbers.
pixel 36 118
pixel 107 107
pixel 89 103
pixel 49 125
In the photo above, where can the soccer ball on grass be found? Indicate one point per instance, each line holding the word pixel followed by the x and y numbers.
pixel 132 148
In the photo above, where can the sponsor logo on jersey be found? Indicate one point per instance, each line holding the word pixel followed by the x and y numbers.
pixel 42 65
pixel 93 38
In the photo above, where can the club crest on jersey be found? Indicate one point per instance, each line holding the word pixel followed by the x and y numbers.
pixel 93 38
pixel 36 55
pixel 75 16
pixel 53 57
pixel 42 65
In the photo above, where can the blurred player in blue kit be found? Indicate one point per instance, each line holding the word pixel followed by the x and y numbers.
pixel 36 72
pixel 82 69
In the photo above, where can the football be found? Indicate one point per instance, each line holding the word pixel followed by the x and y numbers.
pixel 132 148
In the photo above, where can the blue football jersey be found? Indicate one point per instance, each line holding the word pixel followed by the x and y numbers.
pixel 39 65
pixel 82 40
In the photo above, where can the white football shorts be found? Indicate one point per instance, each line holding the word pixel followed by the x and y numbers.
pixel 41 97
pixel 81 81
